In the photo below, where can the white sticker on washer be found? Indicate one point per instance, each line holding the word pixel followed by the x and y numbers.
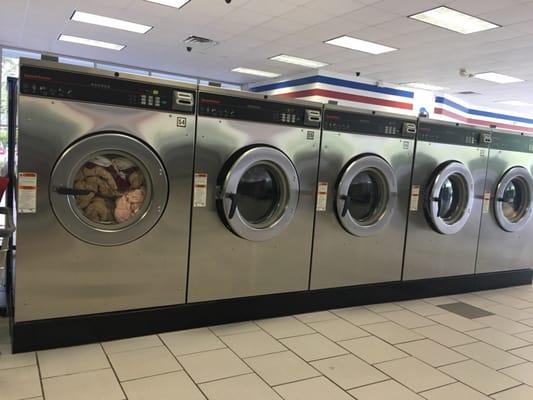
pixel 415 195
pixel 200 190
pixel 486 203
pixel 27 192
pixel 322 196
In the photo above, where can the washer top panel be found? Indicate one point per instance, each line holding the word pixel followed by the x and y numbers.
pixel 442 132
pixel 512 142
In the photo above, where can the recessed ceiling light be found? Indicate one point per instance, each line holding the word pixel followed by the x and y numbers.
pixel 257 72
pixel 100 20
pixel 360 45
pixel 171 3
pixel 454 20
pixel 424 86
pixel 90 42
pixel 298 61
pixel 498 78
pixel 514 103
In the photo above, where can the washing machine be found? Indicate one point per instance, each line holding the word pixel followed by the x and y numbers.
pixel 256 164
pixel 506 226
pixel 446 200
pixel 104 190
pixel 362 198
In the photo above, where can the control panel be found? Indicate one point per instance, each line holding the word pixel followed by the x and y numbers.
pixel 512 142
pixel 459 135
pixel 233 107
pixel 369 124
pixel 70 85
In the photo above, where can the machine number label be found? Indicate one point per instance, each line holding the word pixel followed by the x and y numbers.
pixel 486 203
pixel 310 135
pixel 200 190
pixel 27 192
pixel 415 195
pixel 322 196
pixel 182 122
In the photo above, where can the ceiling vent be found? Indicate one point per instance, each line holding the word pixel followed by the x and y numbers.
pixel 198 43
pixel 467 92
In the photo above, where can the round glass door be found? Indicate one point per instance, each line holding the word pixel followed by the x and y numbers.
pixel 108 189
pixel 366 196
pixel 451 196
pixel 259 194
pixel 513 197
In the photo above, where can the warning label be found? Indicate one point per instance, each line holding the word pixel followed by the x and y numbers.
pixel 27 192
pixel 486 202
pixel 200 190
pixel 415 195
pixel 322 196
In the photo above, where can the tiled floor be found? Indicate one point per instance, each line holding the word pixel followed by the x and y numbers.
pixel 476 346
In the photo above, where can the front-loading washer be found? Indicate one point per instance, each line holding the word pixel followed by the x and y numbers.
pixel 104 189
pixel 256 164
pixel 506 226
pixel 362 198
pixel 446 200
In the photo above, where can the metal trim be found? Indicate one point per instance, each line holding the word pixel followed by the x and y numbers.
pixel 511 174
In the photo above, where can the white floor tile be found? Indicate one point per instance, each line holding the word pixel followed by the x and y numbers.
pixel 191 341
pixel 215 364
pixel 239 387
pixel 444 335
pixel 522 372
pixel 383 307
pixel 315 316
pixel 431 352
pixel 508 312
pixel 392 332
pixel 373 350
pixel 489 355
pixel 101 385
pixel 280 368
pixel 422 307
pixel 349 371
pixel 137 343
pixel 524 352
pixel 384 391
pixel 527 336
pixel 479 377
pixel 252 344
pixel 437 301
pixel 338 329
pixel 415 374
pixel 71 360
pixel 518 393
pixel 508 300
pixel 457 322
pixel 408 319
pixel 20 383
pixel 528 322
pixel 17 360
pixel 359 315
pixel 498 339
pixel 313 347
pixel 237 327
pixel 141 363
pixel 284 327
pixel 456 391
pixel 172 386
pixel 503 324
pixel 312 389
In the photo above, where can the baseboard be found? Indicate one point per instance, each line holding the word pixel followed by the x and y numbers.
pixel 70 331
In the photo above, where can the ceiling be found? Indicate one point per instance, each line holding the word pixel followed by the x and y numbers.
pixel 251 31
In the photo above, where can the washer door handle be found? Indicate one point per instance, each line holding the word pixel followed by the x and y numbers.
pixel 233 207
pixel 347 201
pixel 500 199
pixel 71 191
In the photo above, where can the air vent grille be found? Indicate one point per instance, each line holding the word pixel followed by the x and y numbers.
pixel 467 92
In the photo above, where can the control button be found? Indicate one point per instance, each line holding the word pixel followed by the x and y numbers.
pixel 157 101
pixel 150 100
pixel 283 117
pixel 294 119
pixel 143 99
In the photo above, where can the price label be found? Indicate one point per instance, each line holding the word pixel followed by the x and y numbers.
pixel 322 196
pixel 415 196
pixel 200 190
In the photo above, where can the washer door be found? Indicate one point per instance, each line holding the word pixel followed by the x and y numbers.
pixel 450 197
pixel 108 189
pixel 366 196
pixel 259 193
pixel 512 200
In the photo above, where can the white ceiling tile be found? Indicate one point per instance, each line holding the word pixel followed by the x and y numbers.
pixel 270 7
pixel 335 7
pixel 371 16
pixel 407 7
pixel 282 24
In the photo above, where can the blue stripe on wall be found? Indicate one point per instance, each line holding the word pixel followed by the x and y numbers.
pixel 334 81
pixel 448 102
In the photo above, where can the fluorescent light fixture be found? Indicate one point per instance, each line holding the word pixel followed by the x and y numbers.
pixel 304 62
pixel 424 86
pixel 454 20
pixel 498 78
pixel 94 19
pixel 514 103
pixel 360 45
pixel 171 3
pixel 90 42
pixel 257 72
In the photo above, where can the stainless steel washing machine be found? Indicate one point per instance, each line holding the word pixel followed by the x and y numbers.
pixel 362 197
pixel 104 191
pixel 446 200
pixel 256 165
pixel 506 227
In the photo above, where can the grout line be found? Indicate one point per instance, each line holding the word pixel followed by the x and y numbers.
pixel 113 369
pixel 151 376
pixel 40 375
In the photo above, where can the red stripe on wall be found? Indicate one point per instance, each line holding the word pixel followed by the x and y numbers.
pixel 349 97
pixel 475 121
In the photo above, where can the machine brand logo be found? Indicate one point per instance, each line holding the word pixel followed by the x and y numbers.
pixel 182 122
pixel 310 135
